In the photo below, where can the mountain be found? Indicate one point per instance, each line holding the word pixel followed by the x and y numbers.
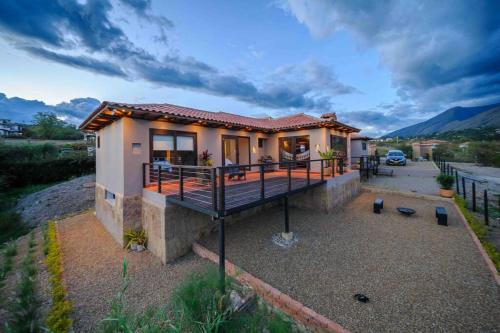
pixel 454 119
pixel 22 110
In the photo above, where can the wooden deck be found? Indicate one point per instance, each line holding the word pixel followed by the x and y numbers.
pixel 197 192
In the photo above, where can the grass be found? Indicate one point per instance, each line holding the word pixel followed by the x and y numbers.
pixel 196 306
pixel 480 230
pixel 11 226
pixel 26 305
pixel 8 253
pixel 58 319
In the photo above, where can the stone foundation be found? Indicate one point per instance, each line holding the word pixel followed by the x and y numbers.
pixel 329 197
pixel 122 215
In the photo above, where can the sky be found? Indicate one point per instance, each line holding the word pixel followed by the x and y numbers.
pixel 380 65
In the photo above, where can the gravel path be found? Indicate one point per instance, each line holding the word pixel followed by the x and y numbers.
pixel 416 177
pixel 59 200
pixel 420 277
pixel 92 263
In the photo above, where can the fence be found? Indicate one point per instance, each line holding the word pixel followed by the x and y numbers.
pixel 221 191
pixel 475 192
pixel 365 164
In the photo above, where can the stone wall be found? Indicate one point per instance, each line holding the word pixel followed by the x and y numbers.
pixel 118 216
pixel 329 197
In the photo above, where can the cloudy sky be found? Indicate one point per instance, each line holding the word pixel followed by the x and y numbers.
pixel 381 65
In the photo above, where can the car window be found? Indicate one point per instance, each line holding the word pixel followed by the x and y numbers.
pixel 395 153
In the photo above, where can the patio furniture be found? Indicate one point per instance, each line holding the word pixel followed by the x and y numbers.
pixel 406 211
pixel 442 216
pixel 378 204
pixel 236 171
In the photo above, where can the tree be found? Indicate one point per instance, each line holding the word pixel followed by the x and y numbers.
pixel 48 126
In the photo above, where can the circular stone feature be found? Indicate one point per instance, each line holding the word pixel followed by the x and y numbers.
pixel 406 211
pixel 284 240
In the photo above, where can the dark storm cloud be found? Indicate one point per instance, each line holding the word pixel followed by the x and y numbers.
pixel 82 62
pixel 82 34
pixel 438 52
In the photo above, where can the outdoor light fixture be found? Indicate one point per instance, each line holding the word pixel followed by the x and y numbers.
pixel 317 147
pixel 254 150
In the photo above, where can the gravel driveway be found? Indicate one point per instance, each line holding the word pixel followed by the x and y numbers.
pixel 416 177
pixel 92 264
pixel 420 277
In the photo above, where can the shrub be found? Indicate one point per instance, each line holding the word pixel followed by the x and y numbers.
pixel 8 253
pixel 25 308
pixel 446 181
pixel 58 319
pixel 19 174
pixel 480 231
pixel 135 237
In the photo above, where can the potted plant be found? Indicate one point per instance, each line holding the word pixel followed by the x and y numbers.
pixel 328 156
pixel 446 183
pixel 205 160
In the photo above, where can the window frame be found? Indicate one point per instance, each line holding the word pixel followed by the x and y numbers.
pixel 174 133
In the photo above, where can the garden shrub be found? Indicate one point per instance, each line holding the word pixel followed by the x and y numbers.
pixel 58 319
pixel 17 174
pixel 480 230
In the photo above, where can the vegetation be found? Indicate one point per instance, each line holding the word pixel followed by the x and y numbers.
pixel 25 309
pixel 470 134
pixel 48 126
pixel 58 319
pixel 135 237
pixel 196 306
pixel 206 158
pixel 486 153
pixel 445 181
pixel 480 230
pixel 8 253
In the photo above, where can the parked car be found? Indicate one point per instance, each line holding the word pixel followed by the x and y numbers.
pixel 395 157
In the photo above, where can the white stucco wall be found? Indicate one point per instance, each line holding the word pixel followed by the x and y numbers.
pixel 110 164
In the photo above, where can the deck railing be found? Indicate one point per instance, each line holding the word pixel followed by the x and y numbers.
pixel 221 191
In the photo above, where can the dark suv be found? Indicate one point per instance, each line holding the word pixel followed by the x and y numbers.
pixel 395 157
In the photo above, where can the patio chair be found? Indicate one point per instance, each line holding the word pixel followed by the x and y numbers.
pixel 236 171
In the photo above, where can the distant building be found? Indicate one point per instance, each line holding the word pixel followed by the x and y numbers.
pixel 424 149
pixel 9 129
pixel 359 147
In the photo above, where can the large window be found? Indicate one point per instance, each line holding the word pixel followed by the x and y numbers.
pixel 294 148
pixel 235 150
pixel 339 145
pixel 174 147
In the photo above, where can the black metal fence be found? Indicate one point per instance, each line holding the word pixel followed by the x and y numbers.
pixel 478 196
pixel 222 191
pixel 366 164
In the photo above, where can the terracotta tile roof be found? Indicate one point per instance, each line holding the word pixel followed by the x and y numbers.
pixel 282 123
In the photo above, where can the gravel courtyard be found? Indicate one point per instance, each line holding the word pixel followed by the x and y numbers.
pixel 420 277
pixel 416 177
pixel 93 261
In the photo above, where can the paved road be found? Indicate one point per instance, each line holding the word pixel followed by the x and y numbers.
pixel 489 174
pixel 416 177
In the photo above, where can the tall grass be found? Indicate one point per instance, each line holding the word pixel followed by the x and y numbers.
pixel 196 306
pixel 481 232
pixel 8 253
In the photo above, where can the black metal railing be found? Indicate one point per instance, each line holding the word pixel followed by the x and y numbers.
pixel 366 164
pixel 221 191
pixel 477 194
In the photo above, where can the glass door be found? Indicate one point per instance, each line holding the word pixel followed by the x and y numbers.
pixel 235 150
pixel 295 148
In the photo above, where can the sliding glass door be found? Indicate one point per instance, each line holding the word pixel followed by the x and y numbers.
pixel 295 148
pixel 235 150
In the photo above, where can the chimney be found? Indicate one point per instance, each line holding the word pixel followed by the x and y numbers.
pixel 329 116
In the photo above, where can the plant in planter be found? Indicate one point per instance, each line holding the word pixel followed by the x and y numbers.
pixel 136 240
pixel 446 184
pixel 206 158
pixel 328 156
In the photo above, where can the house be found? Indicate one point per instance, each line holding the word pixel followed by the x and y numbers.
pixel 359 147
pixel 149 171
pixel 10 129
pixel 424 149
